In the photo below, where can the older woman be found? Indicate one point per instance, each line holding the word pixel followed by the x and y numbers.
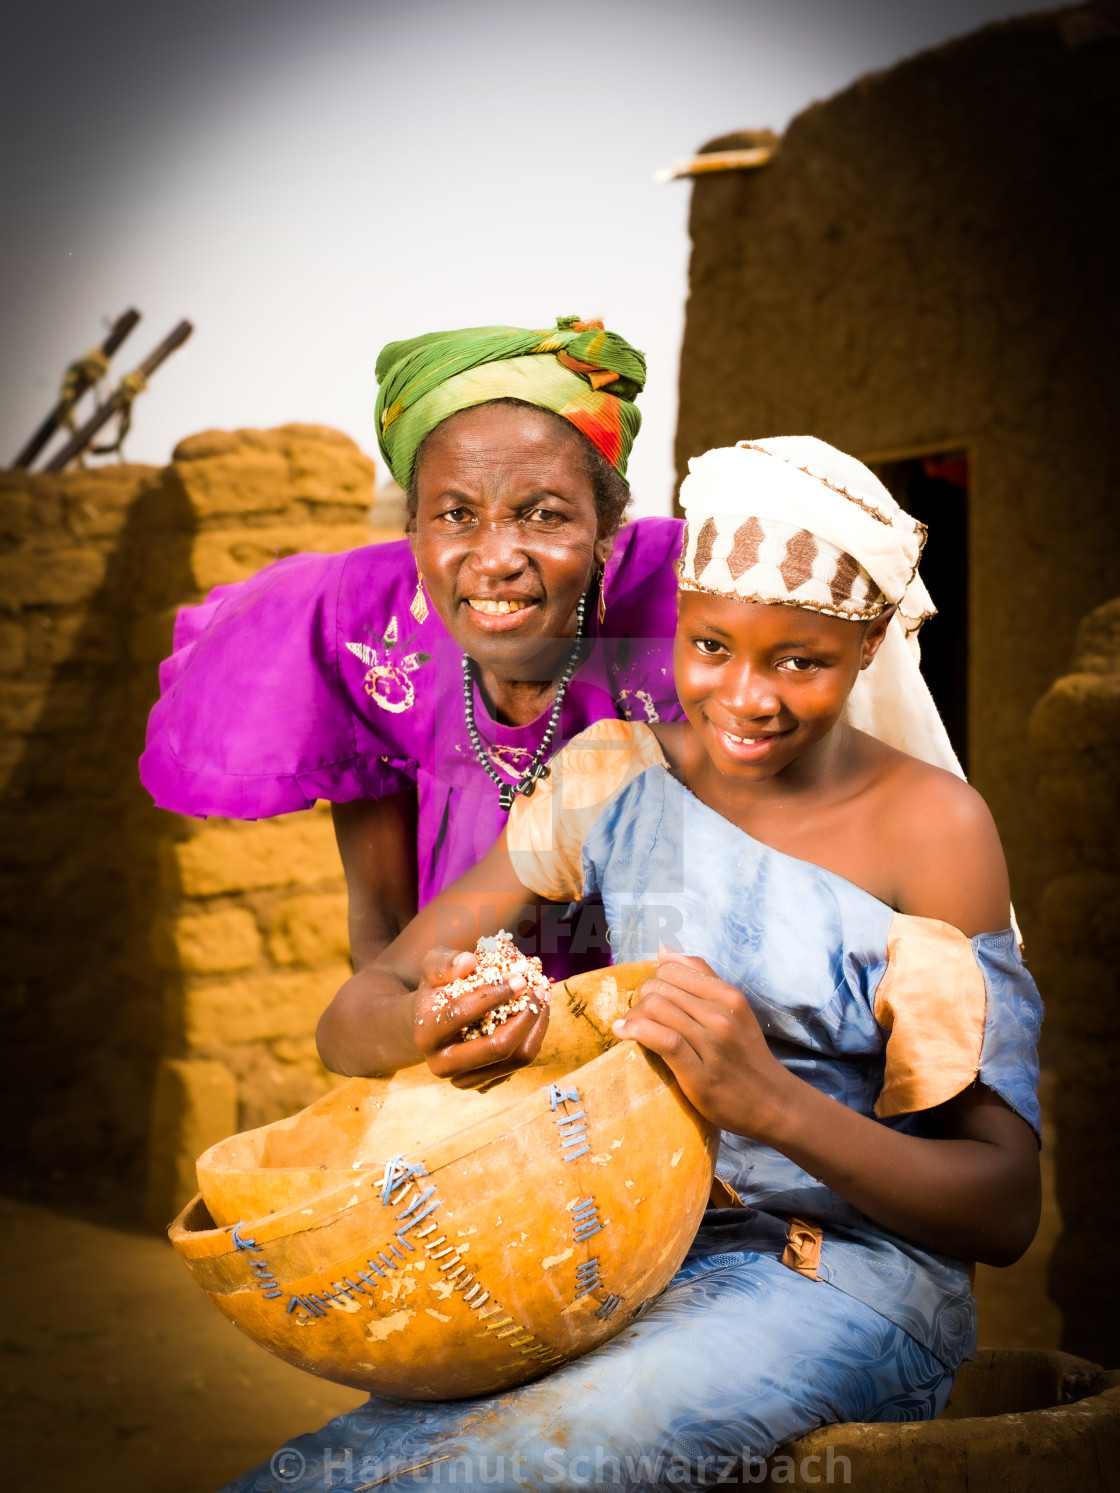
pixel 421 686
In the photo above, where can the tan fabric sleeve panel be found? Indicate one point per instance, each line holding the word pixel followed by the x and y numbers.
pixel 933 1002
pixel 546 832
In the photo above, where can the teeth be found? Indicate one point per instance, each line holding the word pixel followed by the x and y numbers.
pixel 495 608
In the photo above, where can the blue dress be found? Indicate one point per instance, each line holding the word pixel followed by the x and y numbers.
pixel 790 1312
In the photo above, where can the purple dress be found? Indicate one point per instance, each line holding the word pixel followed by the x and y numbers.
pixel 313 680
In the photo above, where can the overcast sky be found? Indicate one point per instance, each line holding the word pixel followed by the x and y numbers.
pixel 308 179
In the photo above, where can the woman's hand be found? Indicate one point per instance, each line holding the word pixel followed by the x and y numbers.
pixel 437 1028
pixel 707 1033
pixel 371 1027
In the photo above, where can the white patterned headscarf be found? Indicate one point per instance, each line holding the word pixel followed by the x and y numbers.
pixel 794 522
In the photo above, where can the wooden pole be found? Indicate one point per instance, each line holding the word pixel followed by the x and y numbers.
pixel 117 400
pixel 117 333
pixel 748 158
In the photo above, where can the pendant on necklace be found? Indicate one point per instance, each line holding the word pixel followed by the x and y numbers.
pixel 506 794
pixel 542 770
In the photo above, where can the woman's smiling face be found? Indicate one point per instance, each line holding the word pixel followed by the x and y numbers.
pixel 506 533
pixel 762 684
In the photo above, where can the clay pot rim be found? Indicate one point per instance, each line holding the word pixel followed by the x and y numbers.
pixel 1105 1395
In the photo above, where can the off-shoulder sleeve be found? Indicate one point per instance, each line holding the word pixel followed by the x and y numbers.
pixel 547 831
pixel 956 1010
pixel 256 716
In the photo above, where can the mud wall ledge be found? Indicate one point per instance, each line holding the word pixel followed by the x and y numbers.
pixel 162 976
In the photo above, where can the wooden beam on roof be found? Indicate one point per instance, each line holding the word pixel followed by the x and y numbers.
pixel 758 149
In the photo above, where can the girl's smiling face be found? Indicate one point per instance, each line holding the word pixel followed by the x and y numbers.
pixel 763 684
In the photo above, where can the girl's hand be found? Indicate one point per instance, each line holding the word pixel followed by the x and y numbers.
pixel 707 1033
pixel 486 1060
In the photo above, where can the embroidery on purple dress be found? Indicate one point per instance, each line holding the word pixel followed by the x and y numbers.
pixel 313 681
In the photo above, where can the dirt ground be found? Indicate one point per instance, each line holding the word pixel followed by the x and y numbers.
pixel 118 1376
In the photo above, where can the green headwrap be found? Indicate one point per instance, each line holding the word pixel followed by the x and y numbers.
pixel 580 371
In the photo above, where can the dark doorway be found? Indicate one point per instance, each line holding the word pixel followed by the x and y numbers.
pixel 935 490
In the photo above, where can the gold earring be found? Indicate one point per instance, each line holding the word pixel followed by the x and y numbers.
pixel 602 598
pixel 419 604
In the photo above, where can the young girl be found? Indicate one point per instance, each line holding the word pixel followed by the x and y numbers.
pixel 838 989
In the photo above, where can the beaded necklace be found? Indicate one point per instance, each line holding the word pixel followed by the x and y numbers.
pixel 538 768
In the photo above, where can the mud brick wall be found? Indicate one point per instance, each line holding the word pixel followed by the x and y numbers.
pixel 79 991
pixel 928 263
pixel 1075 733
pixel 161 976
pixel 251 934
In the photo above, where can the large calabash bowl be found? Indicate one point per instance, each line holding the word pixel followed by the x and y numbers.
pixel 408 1238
